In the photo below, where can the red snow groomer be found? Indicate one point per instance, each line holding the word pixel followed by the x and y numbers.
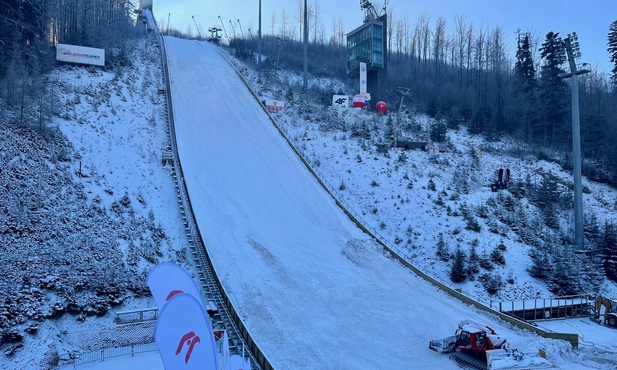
pixel 477 346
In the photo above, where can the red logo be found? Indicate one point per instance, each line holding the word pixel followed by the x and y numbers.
pixel 190 339
pixel 173 293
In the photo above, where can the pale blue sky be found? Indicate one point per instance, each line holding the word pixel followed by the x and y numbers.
pixel 590 19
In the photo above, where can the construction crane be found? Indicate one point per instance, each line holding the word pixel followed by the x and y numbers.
pixel 370 13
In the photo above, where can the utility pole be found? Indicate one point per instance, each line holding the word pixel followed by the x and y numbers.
pixel 305 86
pixel 574 54
pixel 259 39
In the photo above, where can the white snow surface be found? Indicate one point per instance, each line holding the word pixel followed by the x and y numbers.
pixel 314 291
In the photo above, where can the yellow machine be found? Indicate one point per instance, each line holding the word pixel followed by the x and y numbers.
pixel 610 310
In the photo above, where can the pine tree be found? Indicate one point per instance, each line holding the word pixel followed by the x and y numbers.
pixel 609 249
pixel 457 272
pixel 546 199
pixel 525 83
pixel 497 256
pixel 442 249
pixel 553 90
pixel 565 279
pixel 612 51
pixel 540 263
pixel 473 262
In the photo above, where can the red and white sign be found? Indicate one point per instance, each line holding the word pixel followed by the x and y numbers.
pixel 80 54
pixel 183 334
pixel 274 106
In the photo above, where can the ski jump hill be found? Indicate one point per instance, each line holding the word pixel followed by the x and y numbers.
pixel 313 290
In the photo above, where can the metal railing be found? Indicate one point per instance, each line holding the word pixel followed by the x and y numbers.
pixel 129 317
pixel 107 353
pixel 547 308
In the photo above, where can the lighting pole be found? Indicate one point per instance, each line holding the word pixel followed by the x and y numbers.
pixel 259 39
pixel 574 54
pixel 305 86
pixel 223 25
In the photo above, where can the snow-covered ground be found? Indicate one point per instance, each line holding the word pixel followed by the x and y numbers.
pixel 314 291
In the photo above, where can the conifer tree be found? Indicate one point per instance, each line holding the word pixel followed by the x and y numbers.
pixel 442 249
pixel 457 272
pixel 473 263
pixel 540 263
pixel 609 249
pixel 525 83
pixel 553 90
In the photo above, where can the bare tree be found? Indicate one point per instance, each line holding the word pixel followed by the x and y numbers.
pixel 273 22
pixel 284 26
pixel 316 19
pixel 461 35
pixel 422 29
pixel 439 44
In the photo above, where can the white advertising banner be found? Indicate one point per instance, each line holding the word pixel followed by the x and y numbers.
pixel 80 54
pixel 363 78
pixel 274 106
pixel 340 101
pixel 183 334
pixel 168 279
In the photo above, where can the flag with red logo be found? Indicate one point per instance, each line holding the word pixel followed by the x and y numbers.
pixel 226 364
pixel 236 362
pixel 184 336
pixel 168 279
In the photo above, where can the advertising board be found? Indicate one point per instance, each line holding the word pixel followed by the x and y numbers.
pixel 80 54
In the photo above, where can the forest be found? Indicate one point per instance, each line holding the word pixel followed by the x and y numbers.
pixel 461 73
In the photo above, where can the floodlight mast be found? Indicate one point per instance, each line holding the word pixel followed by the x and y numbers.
pixel 223 25
pixel 574 54
pixel 196 26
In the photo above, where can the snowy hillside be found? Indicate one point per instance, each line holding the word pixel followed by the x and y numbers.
pixel 430 204
pixel 87 209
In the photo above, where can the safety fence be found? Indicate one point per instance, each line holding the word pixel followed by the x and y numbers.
pixel 107 353
pixel 547 308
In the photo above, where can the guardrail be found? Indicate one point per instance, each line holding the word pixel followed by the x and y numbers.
pixel 394 251
pixel 130 317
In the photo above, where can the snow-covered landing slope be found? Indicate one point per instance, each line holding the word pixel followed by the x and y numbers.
pixel 312 289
